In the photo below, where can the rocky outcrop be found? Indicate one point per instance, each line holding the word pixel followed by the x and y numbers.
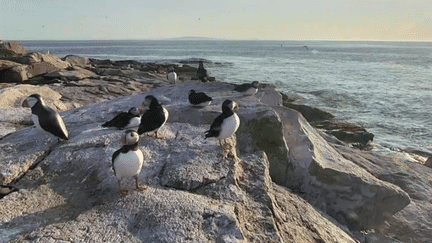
pixel 11 49
pixel 379 198
pixel 350 133
pixel 13 117
pixel 428 162
pixel 192 196
pixel 20 69
pixel 77 61
pixel 13 97
pixel 72 75
pixel 15 73
pixel 411 224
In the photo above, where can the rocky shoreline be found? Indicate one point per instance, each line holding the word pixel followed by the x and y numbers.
pixel 295 182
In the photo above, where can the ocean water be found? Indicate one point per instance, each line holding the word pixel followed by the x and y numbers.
pixel 384 86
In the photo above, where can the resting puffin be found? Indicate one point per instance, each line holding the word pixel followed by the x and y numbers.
pixel 172 76
pixel 202 72
pixel 128 161
pixel 46 118
pixel 154 117
pixel 224 126
pixel 125 120
pixel 248 89
pixel 199 99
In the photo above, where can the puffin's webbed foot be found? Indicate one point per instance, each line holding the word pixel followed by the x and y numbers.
pixel 156 135
pixel 138 187
pixel 123 192
pixel 229 146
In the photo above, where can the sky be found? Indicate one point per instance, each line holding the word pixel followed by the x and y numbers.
pixel 227 19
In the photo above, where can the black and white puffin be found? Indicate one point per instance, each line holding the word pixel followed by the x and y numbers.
pixel 202 72
pixel 247 89
pixel 172 75
pixel 154 116
pixel 45 117
pixel 225 125
pixel 125 120
pixel 199 99
pixel 128 161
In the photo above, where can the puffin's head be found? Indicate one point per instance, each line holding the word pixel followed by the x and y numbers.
pixel 130 137
pixel 32 100
pixel 255 84
pixel 148 100
pixel 134 111
pixel 230 105
pixel 192 91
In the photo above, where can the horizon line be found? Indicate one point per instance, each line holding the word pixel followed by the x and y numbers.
pixel 216 38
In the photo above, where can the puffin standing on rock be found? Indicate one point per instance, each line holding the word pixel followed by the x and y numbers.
pixel 199 99
pixel 125 120
pixel 128 161
pixel 172 76
pixel 154 116
pixel 224 126
pixel 202 72
pixel 45 117
pixel 248 89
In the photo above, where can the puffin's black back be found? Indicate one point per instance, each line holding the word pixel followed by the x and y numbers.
pixel 245 86
pixel 202 72
pixel 198 98
pixel 215 127
pixel 152 119
pixel 120 121
pixel 49 120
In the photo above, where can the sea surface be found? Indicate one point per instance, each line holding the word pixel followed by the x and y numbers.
pixel 384 86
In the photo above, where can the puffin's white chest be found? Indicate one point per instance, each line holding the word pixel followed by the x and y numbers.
pixel 172 77
pixel 35 119
pixel 250 91
pixel 166 114
pixel 134 122
pixel 229 126
pixel 128 164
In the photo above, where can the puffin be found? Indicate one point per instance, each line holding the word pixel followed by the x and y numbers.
pixel 202 72
pixel 45 117
pixel 154 116
pixel 128 161
pixel 125 120
pixel 199 99
pixel 247 89
pixel 224 126
pixel 172 76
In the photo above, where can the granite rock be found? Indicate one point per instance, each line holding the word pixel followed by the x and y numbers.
pixel 193 195
pixel 11 49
